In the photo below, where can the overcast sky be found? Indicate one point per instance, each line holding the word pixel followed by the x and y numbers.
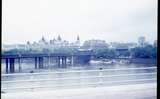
pixel 110 20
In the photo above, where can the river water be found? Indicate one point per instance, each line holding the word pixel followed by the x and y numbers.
pixel 95 81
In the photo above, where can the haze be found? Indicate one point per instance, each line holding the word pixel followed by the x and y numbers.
pixel 110 20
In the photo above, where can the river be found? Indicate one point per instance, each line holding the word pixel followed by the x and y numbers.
pixel 69 83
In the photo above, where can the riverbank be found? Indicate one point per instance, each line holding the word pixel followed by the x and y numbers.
pixel 125 61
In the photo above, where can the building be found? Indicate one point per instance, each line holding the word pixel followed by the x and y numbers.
pixel 7 47
pixel 75 44
pixel 155 43
pixel 95 44
pixel 115 45
pixel 53 44
pixel 142 41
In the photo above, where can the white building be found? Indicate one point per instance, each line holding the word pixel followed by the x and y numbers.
pixel 95 44
pixel 52 44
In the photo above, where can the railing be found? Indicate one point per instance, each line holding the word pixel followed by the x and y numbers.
pixel 99 75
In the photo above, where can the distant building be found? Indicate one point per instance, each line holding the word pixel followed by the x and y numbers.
pixel 7 47
pixel 142 41
pixel 14 46
pixel 52 44
pixel 42 41
pixel 78 39
pixel 95 44
pixel 122 49
pixel 59 38
pixel 155 43
pixel 21 46
pixel 28 43
pixel 115 45
pixel 77 43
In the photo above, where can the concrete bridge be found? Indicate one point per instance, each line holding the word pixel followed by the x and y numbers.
pixel 78 57
pixel 81 56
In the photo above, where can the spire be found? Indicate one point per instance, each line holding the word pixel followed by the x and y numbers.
pixel 28 43
pixel 43 38
pixel 78 38
pixel 59 38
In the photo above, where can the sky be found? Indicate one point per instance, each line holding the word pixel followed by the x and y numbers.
pixel 109 20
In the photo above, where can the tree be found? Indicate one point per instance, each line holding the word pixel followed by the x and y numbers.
pixel 105 53
pixel 148 51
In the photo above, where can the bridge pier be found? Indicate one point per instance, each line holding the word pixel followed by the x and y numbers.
pixel 40 59
pixel 11 61
pixel 72 61
pixel 36 63
pixel 7 65
pixel 64 62
pixel 59 62
pixel 19 63
pixel 48 62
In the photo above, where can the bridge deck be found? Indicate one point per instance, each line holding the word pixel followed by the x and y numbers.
pixel 43 55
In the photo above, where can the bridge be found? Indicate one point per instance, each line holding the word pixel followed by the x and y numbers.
pixel 81 56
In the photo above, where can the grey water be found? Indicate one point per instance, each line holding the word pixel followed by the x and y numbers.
pixel 28 65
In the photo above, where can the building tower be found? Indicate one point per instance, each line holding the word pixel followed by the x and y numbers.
pixel 43 40
pixel 59 38
pixel 28 43
pixel 78 41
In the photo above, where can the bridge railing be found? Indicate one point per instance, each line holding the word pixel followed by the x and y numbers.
pixel 98 79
